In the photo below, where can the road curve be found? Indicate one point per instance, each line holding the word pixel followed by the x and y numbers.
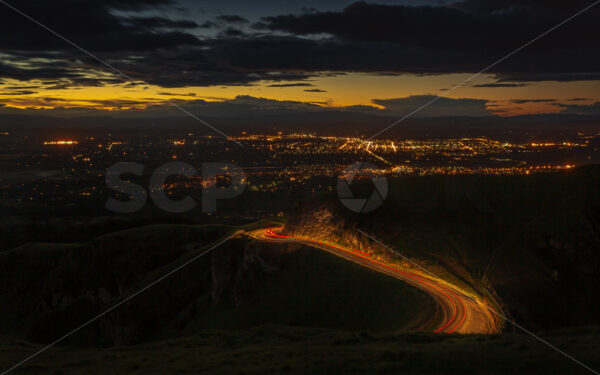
pixel 456 312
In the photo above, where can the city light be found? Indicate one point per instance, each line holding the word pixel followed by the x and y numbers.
pixel 60 143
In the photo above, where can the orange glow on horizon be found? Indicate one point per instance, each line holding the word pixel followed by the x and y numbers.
pixel 336 91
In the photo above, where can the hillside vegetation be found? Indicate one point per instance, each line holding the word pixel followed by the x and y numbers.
pixel 47 289
pixel 530 243
pixel 294 350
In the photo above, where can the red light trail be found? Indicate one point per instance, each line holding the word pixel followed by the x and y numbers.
pixel 425 283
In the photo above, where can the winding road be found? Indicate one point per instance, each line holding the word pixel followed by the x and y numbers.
pixel 456 312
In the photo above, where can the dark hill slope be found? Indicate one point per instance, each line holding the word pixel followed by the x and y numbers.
pixel 293 350
pixel 534 241
pixel 48 289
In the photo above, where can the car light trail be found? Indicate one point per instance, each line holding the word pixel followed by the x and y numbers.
pixel 424 283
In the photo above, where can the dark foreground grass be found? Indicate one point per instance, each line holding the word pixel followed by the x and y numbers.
pixel 285 350
pixel 312 288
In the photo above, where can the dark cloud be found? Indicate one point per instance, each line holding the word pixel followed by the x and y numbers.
pixel 377 23
pixel 159 22
pixel 591 109
pixel 137 4
pixel 533 76
pixel 502 6
pixel 91 24
pixel 175 94
pixel 231 18
pixel 239 107
pixel 253 107
pixel 364 37
pixel 289 53
pixel 41 71
pixel 58 102
pixel 422 26
pixel 500 85
pixel 20 87
pixel 208 25
pixel 195 67
pixel 231 32
pixel 94 26
pixel 315 90
pixel 291 85
pixel 19 92
pixel 523 101
pixel 429 39
pixel 442 107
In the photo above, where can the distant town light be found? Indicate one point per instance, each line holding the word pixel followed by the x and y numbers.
pixel 60 143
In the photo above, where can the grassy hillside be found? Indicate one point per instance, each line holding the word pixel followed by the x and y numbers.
pixel 311 288
pixel 287 350
pixel 252 307
pixel 47 289
pixel 534 241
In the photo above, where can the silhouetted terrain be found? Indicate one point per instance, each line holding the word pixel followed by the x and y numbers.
pixel 532 243
pixel 529 243
pixel 48 289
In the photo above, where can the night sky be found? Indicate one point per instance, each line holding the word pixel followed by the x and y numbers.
pixel 376 57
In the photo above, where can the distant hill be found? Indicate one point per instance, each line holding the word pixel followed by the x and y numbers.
pixel 330 122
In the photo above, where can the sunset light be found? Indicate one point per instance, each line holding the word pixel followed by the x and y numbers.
pixel 299 187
